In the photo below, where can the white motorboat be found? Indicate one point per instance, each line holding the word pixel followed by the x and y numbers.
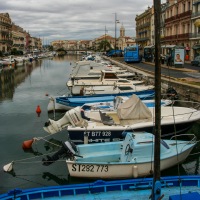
pixel 107 78
pixel 133 114
pixel 131 158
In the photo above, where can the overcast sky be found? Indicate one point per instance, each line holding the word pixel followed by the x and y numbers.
pixel 73 19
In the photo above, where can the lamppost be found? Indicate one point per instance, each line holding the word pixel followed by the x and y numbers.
pixel 116 21
pixel 105 39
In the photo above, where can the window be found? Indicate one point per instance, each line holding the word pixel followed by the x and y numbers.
pixel 198 30
pixel 183 7
pixel 189 5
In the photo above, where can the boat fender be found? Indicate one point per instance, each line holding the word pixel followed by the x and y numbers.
pixel 135 171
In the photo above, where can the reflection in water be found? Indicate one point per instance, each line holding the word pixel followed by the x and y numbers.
pixel 48 176
pixel 10 78
pixel 6 83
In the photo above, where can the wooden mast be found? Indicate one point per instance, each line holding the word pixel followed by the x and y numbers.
pixel 156 189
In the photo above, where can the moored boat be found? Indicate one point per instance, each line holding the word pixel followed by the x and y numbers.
pixel 69 102
pixel 133 156
pixel 140 188
pixel 133 114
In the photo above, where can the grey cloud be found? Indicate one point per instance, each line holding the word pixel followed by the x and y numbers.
pixel 73 19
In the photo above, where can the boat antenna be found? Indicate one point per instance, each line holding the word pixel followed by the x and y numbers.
pixel 156 189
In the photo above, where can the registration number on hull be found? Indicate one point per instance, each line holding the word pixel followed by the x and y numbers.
pixel 98 133
pixel 89 168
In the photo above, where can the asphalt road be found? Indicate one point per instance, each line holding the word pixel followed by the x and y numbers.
pixel 187 71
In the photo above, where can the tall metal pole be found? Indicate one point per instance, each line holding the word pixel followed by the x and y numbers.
pixel 105 40
pixel 115 30
pixel 156 191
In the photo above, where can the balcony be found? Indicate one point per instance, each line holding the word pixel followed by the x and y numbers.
pixel 141 39
pixel 179 16
pixel 4 31
pixel 194 35
pixel 6 41
pixel 147 24
pixel 184 36
pixel 5 24
pixel 196 2
pixel 194 15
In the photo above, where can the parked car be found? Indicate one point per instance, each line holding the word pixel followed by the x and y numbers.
pixel 196 61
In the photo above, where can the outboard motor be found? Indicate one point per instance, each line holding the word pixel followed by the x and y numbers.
pixel 72 117
pixel 67 150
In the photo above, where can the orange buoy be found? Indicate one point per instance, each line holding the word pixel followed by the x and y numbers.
pixel 38 110
pixel 27 144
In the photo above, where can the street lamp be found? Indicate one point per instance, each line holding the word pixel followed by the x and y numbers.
pixel 105 39
pixel 116 21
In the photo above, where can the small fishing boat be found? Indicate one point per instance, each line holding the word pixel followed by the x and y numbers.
pixel 133 114
pixel 69 102
pixel 133 156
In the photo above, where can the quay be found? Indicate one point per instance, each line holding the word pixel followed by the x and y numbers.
pixel 187 90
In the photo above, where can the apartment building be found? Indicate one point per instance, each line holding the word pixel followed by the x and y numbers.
pixel 5 32
pixel 195 29
pixel 143 28
pixel 178 24
pixel 14 37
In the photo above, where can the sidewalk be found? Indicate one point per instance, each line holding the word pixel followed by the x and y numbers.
pixel 186 67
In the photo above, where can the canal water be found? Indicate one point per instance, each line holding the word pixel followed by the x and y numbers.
pixel 22 89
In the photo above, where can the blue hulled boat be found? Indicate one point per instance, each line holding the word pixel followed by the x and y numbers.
pixel 173 188
pixel 68 102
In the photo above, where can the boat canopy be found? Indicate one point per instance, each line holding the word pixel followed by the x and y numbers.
pixel 133 109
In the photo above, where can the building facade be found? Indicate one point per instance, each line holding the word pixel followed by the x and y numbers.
pixel 143 28
pixel 5 32
pixel 195 30
pixel 14 37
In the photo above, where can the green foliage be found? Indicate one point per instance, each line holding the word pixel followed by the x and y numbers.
pixel 104 45
pixel 50 48
pixel 60 49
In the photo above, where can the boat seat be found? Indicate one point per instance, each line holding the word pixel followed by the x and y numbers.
pixel 110 156
pixel 106 119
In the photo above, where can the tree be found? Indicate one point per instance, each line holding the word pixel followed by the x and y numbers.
pixel 50 48
pixel 104 45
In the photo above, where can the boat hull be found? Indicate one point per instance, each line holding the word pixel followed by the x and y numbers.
pixel 121 170
pixel 109 134
pixel 65 103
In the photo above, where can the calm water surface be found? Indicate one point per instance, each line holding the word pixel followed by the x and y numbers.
pixel 20 93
